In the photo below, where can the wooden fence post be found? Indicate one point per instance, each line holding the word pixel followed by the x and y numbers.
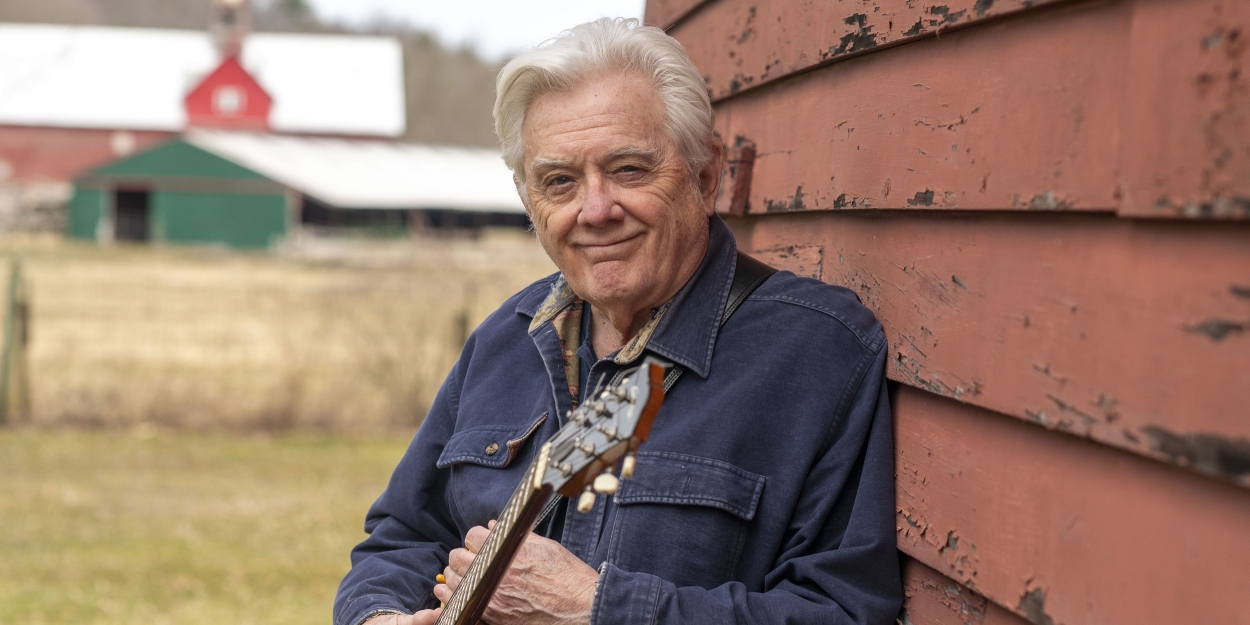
pixel 14 394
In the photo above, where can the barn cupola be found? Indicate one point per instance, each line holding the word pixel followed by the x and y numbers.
pixel 229 97
pixel 229 22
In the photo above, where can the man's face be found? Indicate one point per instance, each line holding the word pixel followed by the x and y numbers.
pixel 609 194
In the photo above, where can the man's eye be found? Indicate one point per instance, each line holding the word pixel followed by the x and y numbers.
pixel 629 169
pixel 559 181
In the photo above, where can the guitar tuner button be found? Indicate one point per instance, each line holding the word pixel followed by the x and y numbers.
pixel 586 501
pixel 627 466
pixel 605 395
pixel 588 449
pixel 492 448
pixel 606 484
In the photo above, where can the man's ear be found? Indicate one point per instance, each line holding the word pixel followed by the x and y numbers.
pixel 709 177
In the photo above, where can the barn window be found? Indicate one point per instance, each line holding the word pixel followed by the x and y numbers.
pixel 229 100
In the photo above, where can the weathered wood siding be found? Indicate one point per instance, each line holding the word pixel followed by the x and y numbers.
pixel 1047 205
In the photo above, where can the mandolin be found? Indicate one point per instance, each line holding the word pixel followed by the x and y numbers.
pixel 576 462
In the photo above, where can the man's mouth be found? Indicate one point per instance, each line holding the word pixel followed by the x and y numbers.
pixel 610 245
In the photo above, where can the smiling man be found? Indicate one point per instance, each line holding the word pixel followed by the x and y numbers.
pixel 765 492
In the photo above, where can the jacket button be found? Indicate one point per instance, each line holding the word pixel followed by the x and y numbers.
pixel 492 448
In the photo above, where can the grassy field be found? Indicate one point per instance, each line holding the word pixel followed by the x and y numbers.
pixel 349 335
pixel 145 527
pixel 207 428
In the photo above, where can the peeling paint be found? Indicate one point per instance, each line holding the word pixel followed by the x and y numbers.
pixel 963 119
pixel 922 198
pixel 862 39
pixel 944 12
pixel 1063 406
pixel 1033 605
pixel 952 541
pixel 795 203
pixel 1048 201
pixel 1218 329
pixel 1236 207
pixel 1210 453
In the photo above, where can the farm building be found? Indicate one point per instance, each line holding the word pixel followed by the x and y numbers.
pixel 251 189
pixel 1045 203
pixel 73 98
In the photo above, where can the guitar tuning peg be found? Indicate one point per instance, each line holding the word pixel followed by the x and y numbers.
pixel 586 501
pixel 627 466
pixel 606 483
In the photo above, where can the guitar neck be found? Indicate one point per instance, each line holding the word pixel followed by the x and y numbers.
pixel 517 520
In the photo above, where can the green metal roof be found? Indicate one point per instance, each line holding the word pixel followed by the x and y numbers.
pixel 177 159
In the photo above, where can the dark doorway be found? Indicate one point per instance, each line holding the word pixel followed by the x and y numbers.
pixel 130 216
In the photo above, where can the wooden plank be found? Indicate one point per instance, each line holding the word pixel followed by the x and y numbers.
pixel 930 598
pixel 665 13
pixel 1135 334
pixel 1062 530
pixel 1190 71
pixel 1029 120
pixel 742 44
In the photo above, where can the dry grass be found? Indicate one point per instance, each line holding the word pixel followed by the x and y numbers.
pixel 346 336
pixel 114 528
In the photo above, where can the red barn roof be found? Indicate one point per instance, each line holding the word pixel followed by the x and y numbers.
pixel 229 98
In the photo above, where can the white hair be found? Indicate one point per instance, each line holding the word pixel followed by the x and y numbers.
pixel 594 49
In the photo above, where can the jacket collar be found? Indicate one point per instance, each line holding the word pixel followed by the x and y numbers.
pixel 683 329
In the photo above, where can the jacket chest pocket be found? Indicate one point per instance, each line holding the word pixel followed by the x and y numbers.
pixel 684 518
pixel 486 463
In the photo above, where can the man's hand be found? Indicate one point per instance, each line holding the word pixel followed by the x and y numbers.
pixel 546 584
pixel 424 617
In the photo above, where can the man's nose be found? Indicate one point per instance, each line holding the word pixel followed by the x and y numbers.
pixel 599 207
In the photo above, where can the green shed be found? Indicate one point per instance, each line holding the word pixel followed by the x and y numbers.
pixel 179 192
pixel 248 190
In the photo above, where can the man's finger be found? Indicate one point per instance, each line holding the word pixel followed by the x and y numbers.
pixel 459 560
pixel 424 617
pixel 476 537
pixel 452 577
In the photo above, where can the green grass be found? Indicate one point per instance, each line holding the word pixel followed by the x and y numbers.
pixel 148 527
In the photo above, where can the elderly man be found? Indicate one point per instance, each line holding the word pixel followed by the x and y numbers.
pixel 765 492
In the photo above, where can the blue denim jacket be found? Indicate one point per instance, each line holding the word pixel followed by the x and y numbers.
pixel 765 493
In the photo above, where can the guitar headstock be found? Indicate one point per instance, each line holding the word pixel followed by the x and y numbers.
pixel 602 430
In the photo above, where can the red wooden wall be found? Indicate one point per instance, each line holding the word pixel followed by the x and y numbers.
pixel 1047 205
pixel 41 154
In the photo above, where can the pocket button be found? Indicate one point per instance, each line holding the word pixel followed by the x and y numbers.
pixel 492 448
